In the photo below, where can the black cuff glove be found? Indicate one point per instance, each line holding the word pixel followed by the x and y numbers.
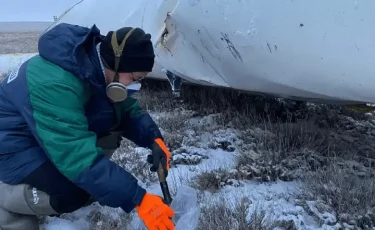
pixel 110 140
pixel 160 154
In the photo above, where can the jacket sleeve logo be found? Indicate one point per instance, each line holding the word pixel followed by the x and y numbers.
pixel 13 75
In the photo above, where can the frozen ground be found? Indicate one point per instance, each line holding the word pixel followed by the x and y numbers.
pixel 292 167
pixel 200 153
pixel 256 163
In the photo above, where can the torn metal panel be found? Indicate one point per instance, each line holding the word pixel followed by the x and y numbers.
pixel 292 49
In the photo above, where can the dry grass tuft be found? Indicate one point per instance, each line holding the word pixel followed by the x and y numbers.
pixel 133 159
pixel 224 214
pixel 236 109
pixel 211 180
pixel 349 189
pixel 105 221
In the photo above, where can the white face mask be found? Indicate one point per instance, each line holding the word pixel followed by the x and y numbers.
pixel 118 92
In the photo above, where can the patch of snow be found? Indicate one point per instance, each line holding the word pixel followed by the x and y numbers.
pixel 62 224
pixel 72 221
pixel 212 150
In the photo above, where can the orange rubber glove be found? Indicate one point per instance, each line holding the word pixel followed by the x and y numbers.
pixel 155 214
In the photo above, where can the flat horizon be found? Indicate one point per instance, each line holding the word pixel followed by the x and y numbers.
pixel 24 26
pixel 24 21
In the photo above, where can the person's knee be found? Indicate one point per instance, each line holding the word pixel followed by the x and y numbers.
pixel 24 199
pixel 16 221
pixel 63 195
pixel 20 205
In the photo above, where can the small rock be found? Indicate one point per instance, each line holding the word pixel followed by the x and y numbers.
pixel 344 217
pixel 286 176
pixel 287 224
pixel 224 145
pixel 254 170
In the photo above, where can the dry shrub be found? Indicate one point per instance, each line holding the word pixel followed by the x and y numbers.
pixel 173 140
pixel 226 215
pixel 174 121
pixel 104 221
pixel 282 150
pixel 134 161
pixel 285 137
pixel 156 100
pixel 350 193
pixel 236 109
pixel 286 150
pixel 211 180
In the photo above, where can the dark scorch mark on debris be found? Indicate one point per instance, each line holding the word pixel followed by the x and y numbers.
pixel 210 38
pixel 269 47
pixel 231 47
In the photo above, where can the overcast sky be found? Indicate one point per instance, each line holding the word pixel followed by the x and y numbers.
pixel 33 10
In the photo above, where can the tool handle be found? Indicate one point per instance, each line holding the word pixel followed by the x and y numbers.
pixel 164 185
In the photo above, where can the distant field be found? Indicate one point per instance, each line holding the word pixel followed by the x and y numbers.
pixel 23 26
pixel 14 42
pixel 15 36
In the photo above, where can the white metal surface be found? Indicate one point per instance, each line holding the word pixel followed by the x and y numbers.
pixel 301 49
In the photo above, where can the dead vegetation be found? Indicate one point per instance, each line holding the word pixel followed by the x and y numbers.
pixel 224 213
pixel 133 159
pixel 212 180
pixel 14 42
pixel 330 148
pixel 100 220
pixel 348 188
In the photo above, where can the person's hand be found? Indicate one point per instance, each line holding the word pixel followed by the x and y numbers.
pixel 155 214
pixel 160 154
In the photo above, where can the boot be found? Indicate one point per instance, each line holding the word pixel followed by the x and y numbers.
pixel 13 221
pixel 20 205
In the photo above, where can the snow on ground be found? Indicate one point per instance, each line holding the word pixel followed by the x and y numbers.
pixel 205 147
pixel 249 175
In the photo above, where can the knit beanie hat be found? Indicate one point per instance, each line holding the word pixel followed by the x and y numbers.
pixel 137 55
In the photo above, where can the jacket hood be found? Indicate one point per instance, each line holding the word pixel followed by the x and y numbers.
pixel 73 48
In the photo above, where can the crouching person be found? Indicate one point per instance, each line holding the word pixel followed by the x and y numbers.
pixel 63 113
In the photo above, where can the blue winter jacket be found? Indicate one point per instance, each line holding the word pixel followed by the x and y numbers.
pixel 54 106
